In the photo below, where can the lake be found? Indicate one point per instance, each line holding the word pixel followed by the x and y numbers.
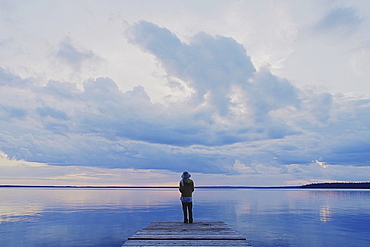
pixel 107 217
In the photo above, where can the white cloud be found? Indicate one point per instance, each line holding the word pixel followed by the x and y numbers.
pixel 343 19
pixel 269 37
pixel 328 50
pixel 68 54
pixel 216 94
pixel 5 161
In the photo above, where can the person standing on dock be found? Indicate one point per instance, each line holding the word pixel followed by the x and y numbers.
pixel 186 187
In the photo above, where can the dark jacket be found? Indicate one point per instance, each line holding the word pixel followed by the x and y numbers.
pixel 186 189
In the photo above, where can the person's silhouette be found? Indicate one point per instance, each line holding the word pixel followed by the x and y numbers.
pixel 186 187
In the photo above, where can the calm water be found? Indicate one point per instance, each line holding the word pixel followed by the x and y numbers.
pixel 107 217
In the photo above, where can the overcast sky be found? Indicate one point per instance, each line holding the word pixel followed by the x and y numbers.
pixel 135 92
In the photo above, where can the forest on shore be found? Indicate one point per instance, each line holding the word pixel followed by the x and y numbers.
pixel 343 185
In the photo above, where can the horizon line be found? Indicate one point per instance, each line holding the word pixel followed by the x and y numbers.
pixel 141 186
pixel 327 185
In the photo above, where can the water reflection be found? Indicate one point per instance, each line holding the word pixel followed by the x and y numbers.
pixel 80 217
pixel 242 209
pixel 12 213
pixel 325 213
pixel 107 217
pixel 90 198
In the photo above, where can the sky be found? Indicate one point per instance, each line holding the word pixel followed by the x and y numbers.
pixel 252 93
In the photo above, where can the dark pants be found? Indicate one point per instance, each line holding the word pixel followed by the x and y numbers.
pixel 187 207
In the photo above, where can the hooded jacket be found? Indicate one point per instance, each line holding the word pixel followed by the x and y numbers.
pixel 186 187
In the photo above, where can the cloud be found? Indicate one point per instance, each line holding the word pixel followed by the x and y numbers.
pixel 21 172
pixel 343 19
pixel 210 65
pixel 234 120
pixel 8 78
pixel 6 161
pixel 12 112
pixel 68 54
pixel 223 78
pixel 50 112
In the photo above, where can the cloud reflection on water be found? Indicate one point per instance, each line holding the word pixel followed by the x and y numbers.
pixel 106 217
pixel 325 214
pixel 20 204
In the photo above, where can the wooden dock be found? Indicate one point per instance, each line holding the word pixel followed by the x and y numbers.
pixel 180 234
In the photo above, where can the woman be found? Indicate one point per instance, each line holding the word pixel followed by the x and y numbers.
pixel 186 188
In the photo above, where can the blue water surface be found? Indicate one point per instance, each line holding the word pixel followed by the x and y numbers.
pixel 107 217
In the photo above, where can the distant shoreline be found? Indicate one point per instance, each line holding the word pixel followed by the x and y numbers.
pixel 344 185
pixel 351 185
pixel 145 187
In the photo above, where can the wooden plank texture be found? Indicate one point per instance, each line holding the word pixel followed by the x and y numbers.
pixel 207 243
pixel 180 234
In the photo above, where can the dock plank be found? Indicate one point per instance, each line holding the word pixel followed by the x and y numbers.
pixel 180 234
pixel 199 243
